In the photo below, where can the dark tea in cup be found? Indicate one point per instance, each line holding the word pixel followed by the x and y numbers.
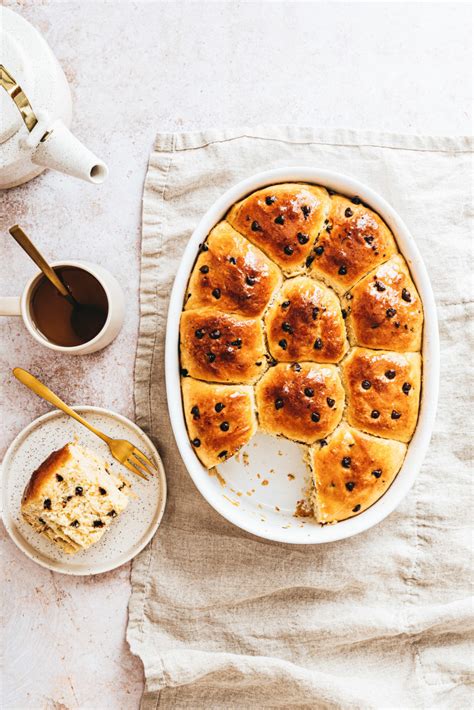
pixel 56 318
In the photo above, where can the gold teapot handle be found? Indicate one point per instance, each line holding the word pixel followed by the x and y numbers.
pixel 18 96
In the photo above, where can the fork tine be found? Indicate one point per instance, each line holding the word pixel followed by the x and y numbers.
pixel 138 464
pixel 133 458
pixel 141 455
pixel 133 469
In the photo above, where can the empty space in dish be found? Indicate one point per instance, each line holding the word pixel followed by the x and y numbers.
pixel 267 477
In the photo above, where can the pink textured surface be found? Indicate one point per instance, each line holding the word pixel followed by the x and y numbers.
pixel 136 68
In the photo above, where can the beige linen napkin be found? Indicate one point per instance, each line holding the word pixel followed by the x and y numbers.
pixel 222 619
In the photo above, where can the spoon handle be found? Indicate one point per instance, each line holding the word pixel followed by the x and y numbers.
pixel 30 381
pixel 19 236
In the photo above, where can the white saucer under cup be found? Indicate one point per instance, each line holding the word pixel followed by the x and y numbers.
pixel 130 532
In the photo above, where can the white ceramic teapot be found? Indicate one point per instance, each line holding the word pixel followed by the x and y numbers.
pixel 35 110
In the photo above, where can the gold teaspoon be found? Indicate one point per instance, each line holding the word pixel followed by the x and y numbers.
pixel 86 320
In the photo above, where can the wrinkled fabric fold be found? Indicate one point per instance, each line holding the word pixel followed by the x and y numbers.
pixel 222 619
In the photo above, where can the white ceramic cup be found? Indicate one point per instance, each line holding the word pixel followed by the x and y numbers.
pixel 21 306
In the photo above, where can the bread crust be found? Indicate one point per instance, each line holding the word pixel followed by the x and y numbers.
pixel 305 323
pixel 385 310
pixel 236 271
pixel 44 473
pixel 283 220
pixel 354 241
pixel 302 402
pixel 389 406
pixel 351 471
pixel 230 357
pixel 220 418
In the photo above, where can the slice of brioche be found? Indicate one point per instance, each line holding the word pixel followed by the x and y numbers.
pixel 72 498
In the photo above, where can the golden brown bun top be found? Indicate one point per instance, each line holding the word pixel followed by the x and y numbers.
pixel 353 242
pixel 231 274
pixel 385 310
pixel 222 347
pixel 44 473
pixel 305 272
pixel 351 471
pixel 383 391
pixel 283 220
pixel 302 401
pixel 305 323
pixel 220 418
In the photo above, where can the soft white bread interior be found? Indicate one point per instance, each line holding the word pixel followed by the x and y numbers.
pixel 73 498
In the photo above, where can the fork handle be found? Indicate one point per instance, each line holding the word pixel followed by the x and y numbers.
pixel 29 380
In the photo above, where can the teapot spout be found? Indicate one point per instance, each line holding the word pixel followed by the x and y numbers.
pixel 60 150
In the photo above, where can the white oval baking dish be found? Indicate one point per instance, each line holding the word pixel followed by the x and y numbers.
pixel 237 493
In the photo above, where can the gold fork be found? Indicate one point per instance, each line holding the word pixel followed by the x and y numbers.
pixel 121 449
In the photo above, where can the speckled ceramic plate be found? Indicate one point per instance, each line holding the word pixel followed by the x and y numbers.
pixel 130 532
